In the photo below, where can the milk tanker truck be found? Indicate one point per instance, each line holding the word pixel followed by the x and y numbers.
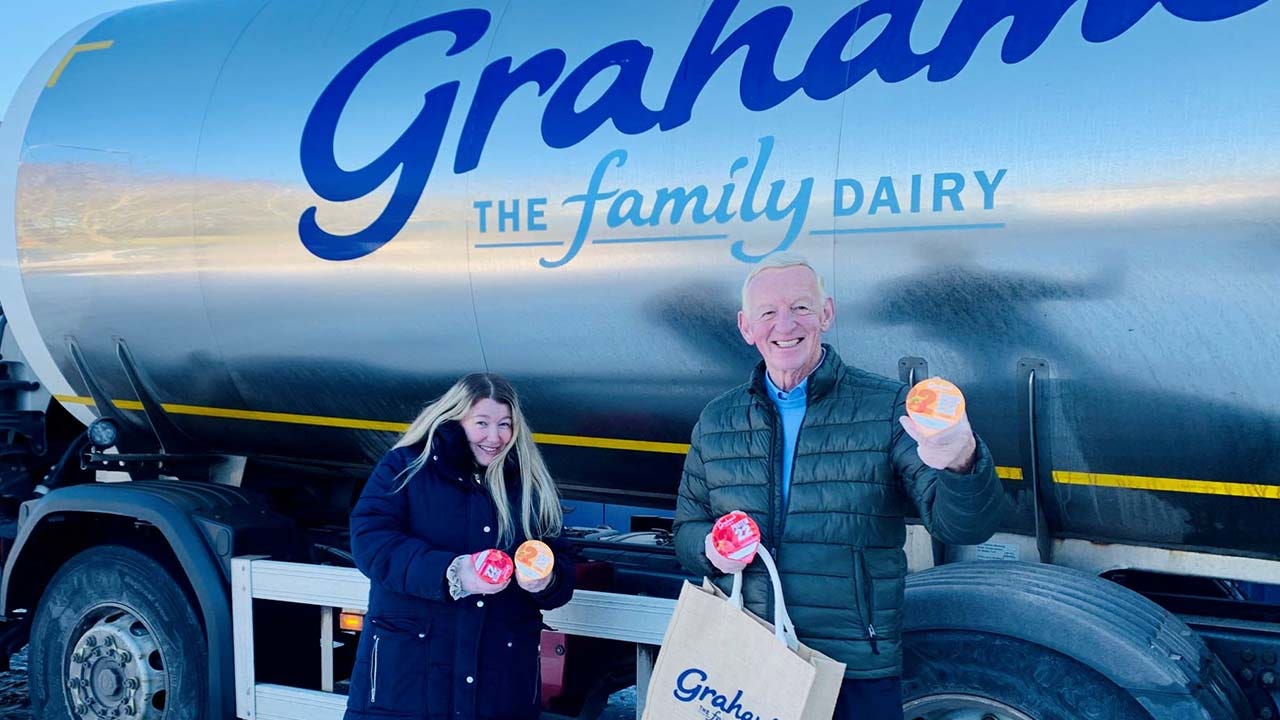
pixel 245 241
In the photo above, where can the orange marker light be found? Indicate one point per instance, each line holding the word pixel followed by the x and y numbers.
pixel 353 621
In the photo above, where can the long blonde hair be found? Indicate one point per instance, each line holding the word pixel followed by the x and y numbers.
pixel 540 513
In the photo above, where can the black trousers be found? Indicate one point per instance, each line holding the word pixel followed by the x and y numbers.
pixel 879 699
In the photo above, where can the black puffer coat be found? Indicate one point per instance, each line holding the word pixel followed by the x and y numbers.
pixel 838 543
pixel 423 655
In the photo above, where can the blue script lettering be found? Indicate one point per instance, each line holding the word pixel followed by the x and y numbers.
pixel 413 154
pixel 588 200
pixel 690 688
pixel 688 693
pixel 826 74
pixel 797 209
pixel 627 207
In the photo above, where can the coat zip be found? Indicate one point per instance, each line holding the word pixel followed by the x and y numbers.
pixel 795 454
pixel 868 598
pixel 537 678
pixel 775 463
pixel 766 406
pixel 373 672
pixel 871 608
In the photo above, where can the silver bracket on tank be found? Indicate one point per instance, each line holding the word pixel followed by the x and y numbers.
pixel 172 439
pixel 911 370
pixel 1033 441
pixel 101 400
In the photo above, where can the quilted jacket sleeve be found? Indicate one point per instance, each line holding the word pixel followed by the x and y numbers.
pixel 383 550
pixel 958 509
pixel 693 512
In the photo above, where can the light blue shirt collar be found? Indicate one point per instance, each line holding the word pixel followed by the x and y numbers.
pixel 797 392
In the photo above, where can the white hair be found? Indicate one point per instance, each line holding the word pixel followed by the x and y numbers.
pixel 778 261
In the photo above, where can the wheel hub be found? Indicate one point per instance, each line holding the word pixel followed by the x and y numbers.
pixel 108 680
pixel 116 669
pixel 955 706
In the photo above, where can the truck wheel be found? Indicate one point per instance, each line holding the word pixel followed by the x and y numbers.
pixel 114 637
pixel 957 675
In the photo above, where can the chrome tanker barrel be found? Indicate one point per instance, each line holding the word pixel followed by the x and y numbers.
pixel 291 224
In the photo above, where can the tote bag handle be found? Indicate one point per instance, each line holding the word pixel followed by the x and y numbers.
pixel 783 629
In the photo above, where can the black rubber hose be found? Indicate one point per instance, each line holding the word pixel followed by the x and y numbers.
pixel 56 474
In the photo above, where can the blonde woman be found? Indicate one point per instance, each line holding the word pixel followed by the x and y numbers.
pixel 439 643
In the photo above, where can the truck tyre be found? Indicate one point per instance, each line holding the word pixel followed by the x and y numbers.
pixel 114 636
pixel 951 674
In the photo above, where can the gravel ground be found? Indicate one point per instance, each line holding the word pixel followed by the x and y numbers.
pixel 622 706
pixel 13 690
pixel 14 704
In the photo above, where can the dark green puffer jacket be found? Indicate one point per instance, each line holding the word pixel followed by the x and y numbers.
pixel 839 542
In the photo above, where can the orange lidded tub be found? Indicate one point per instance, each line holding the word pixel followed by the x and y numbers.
pixel 534 560
pixel 935 405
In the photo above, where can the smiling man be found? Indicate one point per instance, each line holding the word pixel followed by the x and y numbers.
pixel 824 458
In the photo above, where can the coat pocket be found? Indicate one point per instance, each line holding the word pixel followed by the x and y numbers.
pixel 864 593
pixel 390 674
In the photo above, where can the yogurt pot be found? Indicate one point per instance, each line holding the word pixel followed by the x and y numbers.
pixel 493 566
pixel 736 536
pixel 935 405
pixel 534 560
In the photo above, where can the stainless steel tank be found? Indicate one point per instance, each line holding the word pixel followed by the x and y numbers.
pixel 306 219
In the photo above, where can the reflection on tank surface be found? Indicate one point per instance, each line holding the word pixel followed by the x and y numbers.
pixel 993 318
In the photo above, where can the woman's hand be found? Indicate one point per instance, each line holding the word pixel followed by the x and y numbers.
pixel 534 586
pixel 471 581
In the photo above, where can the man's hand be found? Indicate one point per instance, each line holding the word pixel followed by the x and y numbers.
pixel 534 585
pixel 951 449
pixel 471 581
pixel 722 563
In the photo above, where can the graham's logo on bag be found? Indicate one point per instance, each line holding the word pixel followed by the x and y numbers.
pixel 692 687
